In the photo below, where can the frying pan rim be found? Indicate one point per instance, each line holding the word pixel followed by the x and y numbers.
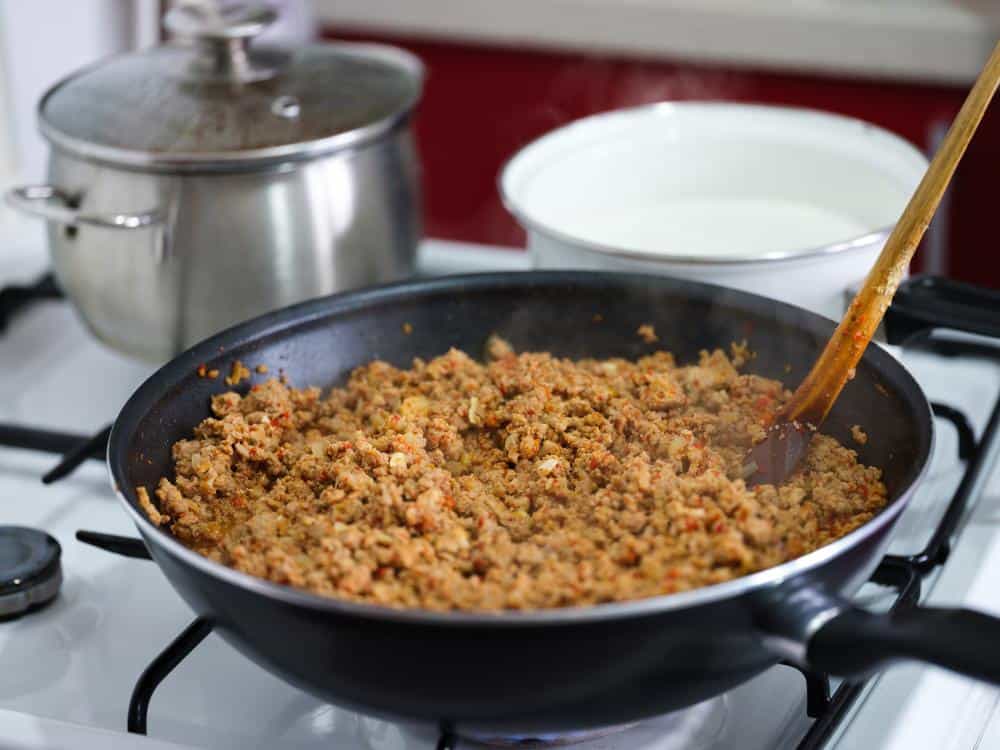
pixel 301 315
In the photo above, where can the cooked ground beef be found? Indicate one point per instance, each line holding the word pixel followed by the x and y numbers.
pixel 648 334
pixel 528 481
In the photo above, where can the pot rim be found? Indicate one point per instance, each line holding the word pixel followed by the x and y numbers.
pixel 579 244
pixel 232 161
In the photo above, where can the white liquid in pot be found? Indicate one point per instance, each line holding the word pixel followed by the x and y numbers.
pixel 718 226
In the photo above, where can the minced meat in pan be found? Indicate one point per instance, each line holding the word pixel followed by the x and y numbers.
pixel 526 482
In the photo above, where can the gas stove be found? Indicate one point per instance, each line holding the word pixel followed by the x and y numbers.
pixel 118 660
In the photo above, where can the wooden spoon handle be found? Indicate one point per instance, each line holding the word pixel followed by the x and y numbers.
pixel 816 395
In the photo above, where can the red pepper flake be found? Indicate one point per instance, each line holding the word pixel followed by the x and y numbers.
pixel 719 527
pixel 690 524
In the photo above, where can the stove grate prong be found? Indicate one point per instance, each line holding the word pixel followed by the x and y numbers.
pixel 95 446
pixel 966 435
pixel 817 690
pixel 159 668
pixel 447 740
pixel 120 545
pixel 33 439
pixel 970 487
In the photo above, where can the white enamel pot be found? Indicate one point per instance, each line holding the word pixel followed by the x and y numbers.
pixel 789 203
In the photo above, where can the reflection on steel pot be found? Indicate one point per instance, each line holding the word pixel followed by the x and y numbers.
pixel 789 203
pixel 207 181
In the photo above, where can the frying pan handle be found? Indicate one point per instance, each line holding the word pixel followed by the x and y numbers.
pixel 854 643
pixel 923 303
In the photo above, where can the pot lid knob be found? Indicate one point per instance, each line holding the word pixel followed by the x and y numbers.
pixel 222 37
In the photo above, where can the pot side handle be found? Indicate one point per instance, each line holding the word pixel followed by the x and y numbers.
pixel 51 203
pixel 855 642
pixel 923 303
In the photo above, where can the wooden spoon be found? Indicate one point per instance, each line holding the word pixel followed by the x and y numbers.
pixel 775 457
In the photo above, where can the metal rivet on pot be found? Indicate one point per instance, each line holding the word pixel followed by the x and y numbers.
pixel 286 106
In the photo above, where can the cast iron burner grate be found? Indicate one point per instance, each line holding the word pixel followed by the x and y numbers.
pixel 16 297
pixel 904 574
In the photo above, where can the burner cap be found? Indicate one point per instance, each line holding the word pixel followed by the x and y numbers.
pixel 29 569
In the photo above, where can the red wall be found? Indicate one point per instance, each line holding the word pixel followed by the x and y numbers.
pixel 482 103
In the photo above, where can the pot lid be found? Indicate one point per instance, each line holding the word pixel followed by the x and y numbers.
pixel 212 100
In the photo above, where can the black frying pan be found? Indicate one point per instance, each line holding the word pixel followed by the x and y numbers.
pixel 571 668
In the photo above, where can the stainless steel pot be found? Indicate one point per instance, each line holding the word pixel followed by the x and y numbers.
pixel 204 182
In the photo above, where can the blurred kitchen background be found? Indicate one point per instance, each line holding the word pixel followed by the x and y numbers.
pixel 502 73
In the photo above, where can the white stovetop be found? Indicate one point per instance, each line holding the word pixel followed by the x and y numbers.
pixel 66 672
